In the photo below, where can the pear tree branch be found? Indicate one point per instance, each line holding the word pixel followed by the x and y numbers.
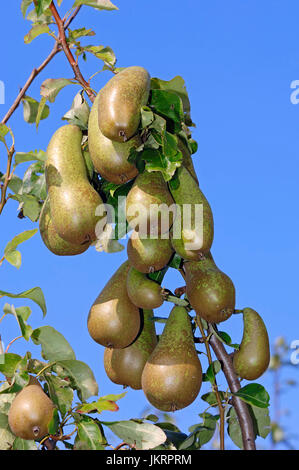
pixel 240 406
pixel 73 63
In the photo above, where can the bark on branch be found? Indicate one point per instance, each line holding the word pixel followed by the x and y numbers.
pixel 240 406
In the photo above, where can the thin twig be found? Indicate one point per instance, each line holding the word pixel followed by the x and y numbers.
pixel 36 71
pixel 73 63
pixel 7 178
pixel 215 386
pixel 240 406
pixel 12 341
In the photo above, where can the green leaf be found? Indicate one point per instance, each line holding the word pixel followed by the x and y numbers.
pixel 41 6
pixel 89 435
pixel 54 345
pixel 34 181
pixel 81 376
pixel 106 403
pixel 21 314
pixel 176 85
pixel 60 393
pixel 52 86
pixel 42 111
pixel 155 160
pixel 261 421
pixel 15 183
pixel 11 254
pixel 29 205
pixel 54 423
pixel 6 436
pixel 143 435
pixel 168 105
pixel 4 130
pixel 152 418
pixel 212 370
pixel 9 363
pixel 6 399
pixel 106 54
pixel 35 31
pixel 254 394
pixel 79 112
pixel 233 428
pixel 200 433
pixel 35 294
pixel 98 4
pixel 23 157
pixel 78 33
pixel 24 6
pixel 147 117
pixel 23 444
pixel 211 398
pixel 175 261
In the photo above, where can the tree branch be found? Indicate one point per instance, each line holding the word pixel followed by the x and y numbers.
pixel 240 406
pixel 215 386
pixel 3 199
pixel 36 71
pixel 73 63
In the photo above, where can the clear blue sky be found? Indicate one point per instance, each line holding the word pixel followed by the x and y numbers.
pixel 238 60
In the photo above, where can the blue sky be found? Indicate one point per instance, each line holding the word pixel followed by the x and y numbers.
pixel 238 59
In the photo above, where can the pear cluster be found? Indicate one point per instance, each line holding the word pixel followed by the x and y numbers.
pixel 121 318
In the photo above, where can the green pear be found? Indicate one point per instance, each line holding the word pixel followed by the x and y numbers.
pixel 120 102
pixel 125 366
pixel 211 292
pixel 150 208
pixel 73 201
pixel 148 254
pixel 31 412
pixel 113 320
pixel 187 159
pixel 253 357
pixel 52 240
pixel 110 158
pixel 172 376
pixel 142 291
pixel 193 238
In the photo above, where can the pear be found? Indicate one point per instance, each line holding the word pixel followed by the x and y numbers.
pixel 187 159
pixel 52 240
pixel 253 357
pixel 110 158
pixel 150 208
pixel 31 412
pixel 120 102
pixel 142 291
pixel 193 238
pixel 125 366
pixel 148 254
pixel 172 376
pixel 211 292
pixel 113 320
pixel 73 201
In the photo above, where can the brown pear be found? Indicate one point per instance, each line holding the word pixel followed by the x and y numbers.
pixel 148 254
pixel 125 366
pixel 52 240
pixel 193 229
pixel 253 357
pixel 172 376
pixel 74 203
pixel 110 158
pixel 211 292
pixel 113 320
pixel 150 208
pixel 31 412
pixel 120 102
pixel 143 292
